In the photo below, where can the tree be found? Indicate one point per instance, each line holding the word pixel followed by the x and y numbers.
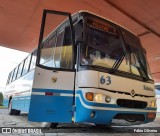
pixel 1 99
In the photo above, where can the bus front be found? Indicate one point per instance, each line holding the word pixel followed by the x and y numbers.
pixel 113 80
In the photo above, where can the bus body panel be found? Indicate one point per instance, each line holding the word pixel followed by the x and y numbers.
pixel 91 78
pixel 52 96
pixel 20 92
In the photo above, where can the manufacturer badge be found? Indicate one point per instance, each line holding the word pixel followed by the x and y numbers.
pixel 132 93
pixel 54 79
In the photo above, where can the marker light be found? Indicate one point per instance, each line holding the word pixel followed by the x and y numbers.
pixel 152 104
pixel 107 99
pixel 98 97
pixel 93 114
pixel 89 96
pixel 48 93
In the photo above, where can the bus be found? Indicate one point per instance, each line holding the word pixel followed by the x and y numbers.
pixel 86 68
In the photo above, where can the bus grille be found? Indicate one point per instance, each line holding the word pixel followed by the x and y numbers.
pixel 131 103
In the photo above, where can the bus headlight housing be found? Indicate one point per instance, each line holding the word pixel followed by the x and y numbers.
pixel 152 104
pixel 89 96
pixel 107 99
pixel 98 97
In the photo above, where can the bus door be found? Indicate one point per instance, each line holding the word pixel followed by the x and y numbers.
pixel 52 95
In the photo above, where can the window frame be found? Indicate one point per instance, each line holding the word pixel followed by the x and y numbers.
pixel 41 41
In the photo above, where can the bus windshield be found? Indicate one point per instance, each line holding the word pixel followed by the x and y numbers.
pixel 103 48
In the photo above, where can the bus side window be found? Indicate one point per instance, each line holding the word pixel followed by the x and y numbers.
pixel 10 79
pixel 9 76
pixel 26 65
pixel 33 60
pixel 13 75
pixel 20 70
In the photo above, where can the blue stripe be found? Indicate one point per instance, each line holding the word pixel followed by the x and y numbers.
pixel 52 90
pixel 149 108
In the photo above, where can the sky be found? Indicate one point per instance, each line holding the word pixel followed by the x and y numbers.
pixel 9 59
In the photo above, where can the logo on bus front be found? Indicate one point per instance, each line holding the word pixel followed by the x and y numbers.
pixel 133 93
pixel 54 79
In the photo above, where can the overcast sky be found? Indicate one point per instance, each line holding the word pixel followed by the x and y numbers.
pixel 9 59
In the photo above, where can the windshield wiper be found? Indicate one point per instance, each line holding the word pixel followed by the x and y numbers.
pixel 146 78
pixel 117 63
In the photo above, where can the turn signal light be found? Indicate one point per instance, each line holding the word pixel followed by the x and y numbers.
pixel 89 96
pixel 152 104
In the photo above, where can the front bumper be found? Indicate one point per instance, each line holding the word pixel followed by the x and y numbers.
pixel 101 113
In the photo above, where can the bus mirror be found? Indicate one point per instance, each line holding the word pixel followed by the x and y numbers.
pixel 157 87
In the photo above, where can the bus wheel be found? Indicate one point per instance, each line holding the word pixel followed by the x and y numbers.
pixel 10 110
pixel 17 112
pixel 53 125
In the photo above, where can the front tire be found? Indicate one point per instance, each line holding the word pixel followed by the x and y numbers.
pixel 17 112
pixel 53 125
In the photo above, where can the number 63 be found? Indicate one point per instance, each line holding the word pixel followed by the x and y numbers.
pixel 106 80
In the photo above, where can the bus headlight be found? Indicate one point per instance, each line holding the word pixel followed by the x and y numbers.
pixel 152 104
pixel 98 97
pixel 107 99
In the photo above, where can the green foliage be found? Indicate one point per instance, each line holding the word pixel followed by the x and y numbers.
pixel 1 99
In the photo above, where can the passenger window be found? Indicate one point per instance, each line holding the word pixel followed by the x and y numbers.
pixel 9 76
pixel 26 65
pixel 20 70
pixel 15 74
pixel 33 61
pixel 10 79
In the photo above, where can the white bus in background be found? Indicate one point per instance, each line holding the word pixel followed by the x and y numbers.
pixel 87 69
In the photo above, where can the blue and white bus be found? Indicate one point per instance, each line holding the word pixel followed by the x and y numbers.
pixel 86 69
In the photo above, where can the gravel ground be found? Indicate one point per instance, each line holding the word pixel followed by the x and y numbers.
pixel 72 129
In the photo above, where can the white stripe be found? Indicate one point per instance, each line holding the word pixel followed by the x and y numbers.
pixel 62 94
pixel 114 109
pixel 38 93
pixel 28 98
